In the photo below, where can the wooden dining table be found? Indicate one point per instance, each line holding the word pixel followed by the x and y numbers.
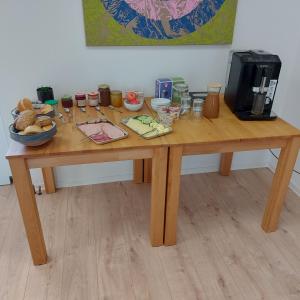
pixel 226 135
pixel 70 147
pixel 157 161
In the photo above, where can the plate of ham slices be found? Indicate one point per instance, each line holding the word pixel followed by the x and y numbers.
pixel 102 131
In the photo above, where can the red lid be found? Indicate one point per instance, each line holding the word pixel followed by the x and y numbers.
pixel 80 96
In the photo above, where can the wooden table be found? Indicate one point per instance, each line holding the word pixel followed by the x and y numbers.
pixel 226 135
pixel 69 147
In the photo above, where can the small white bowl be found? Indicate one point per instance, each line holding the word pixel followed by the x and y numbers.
pixel 133 107
pixel 158 102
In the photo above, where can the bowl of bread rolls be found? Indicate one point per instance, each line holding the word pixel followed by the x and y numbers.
pixel 31 128
pixel 26 104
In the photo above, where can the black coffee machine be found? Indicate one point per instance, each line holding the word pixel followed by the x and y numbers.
pixel 251 85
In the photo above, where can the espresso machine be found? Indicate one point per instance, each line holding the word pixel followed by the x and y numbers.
pixel 252 79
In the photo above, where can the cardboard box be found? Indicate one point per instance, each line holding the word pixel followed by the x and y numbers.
pixel 163 88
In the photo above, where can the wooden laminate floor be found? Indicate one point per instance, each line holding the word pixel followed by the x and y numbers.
pixel 97 241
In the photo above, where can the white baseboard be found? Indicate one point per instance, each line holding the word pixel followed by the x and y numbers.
pixel 95 180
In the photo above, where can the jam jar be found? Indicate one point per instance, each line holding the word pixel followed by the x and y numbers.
pixel 67 101
pixel 93 98
pixel 104 92
pixel 80 99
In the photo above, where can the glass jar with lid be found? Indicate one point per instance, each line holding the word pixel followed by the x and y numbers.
pixel 116 98
pixel 93 99
pixel 179 90
pixel 67 102
pixel 104 92
pixel 80 99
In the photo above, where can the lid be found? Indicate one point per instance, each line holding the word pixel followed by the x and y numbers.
pixel 181 86
pixel 52 102
pixel 80 94
pixel 115 92
pixel 44 88
pixel 215 85
pixel 93 94
pixel 66 97
pixel 103 86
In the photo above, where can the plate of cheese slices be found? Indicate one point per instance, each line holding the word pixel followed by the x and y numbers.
pixel 146 126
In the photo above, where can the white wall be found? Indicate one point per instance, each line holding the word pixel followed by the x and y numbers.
pixel 43 42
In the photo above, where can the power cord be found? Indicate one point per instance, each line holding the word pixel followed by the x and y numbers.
pixel 295 171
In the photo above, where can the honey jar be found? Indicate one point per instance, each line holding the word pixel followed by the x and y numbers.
pixel 116 98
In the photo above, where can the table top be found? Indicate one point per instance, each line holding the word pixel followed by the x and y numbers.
pixel 190 130
pixel 186 130
pixel 70 140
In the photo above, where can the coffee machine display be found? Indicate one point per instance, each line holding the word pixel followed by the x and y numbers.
pixel 251 85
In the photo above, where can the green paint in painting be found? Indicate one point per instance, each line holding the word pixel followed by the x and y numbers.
pixel 102 30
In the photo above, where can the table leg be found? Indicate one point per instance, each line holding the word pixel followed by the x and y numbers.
pixel 158 195
pixel 28 206
pixel 49 180
pixel 281 179
pixel 172 198
pixel 138 170
pixel 147 170
pixel 225 163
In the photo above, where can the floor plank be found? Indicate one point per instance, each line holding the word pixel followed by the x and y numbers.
pixel 97 239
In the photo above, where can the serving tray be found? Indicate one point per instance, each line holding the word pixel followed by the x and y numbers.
pixel 147 120
pixel 92 136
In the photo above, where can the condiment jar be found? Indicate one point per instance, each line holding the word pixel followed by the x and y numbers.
pixel 211 104
pixel 80 99
pixel 104 92
pixel 116 98
pixel 93 98
pixel 179 90
pixel 67 101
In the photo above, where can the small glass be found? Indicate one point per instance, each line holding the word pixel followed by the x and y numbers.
pixel 258 104
pixel 186 102
pixel 198 105
pixel 166 116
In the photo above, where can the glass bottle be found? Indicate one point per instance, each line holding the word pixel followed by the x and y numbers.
pixel 211 106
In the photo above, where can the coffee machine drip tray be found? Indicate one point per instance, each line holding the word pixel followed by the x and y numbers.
pixel 247 116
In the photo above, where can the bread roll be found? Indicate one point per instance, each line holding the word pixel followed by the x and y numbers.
pixel 43 121
pixel 32 129
pixel 26 118
pixel 46 128
pixel 46 109
pixel 24 104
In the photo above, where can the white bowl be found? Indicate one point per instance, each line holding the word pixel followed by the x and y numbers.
pixel 133 107
pixel 157 102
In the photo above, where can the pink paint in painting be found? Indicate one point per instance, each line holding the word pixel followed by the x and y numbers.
pixel 163 9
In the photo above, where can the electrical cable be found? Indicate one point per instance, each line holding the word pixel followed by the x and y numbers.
pixel 295 171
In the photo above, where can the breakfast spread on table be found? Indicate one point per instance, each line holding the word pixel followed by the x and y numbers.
pixel 172 99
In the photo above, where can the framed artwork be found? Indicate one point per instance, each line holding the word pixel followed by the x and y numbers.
pixel 158 22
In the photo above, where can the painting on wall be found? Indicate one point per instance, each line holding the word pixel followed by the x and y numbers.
pixel 158 22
